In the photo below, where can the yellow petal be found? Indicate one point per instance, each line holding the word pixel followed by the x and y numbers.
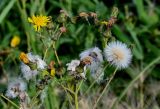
pixel 30 20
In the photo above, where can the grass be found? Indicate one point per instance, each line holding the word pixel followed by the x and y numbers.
pixel 137 26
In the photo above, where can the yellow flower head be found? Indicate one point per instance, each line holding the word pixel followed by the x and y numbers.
pixel 15 41
pixel 23 57
pixel 39 21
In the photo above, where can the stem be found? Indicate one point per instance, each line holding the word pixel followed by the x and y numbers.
pixel 46 48
pixel 10 101
pixel 76 98
pixel 79 86
pixel 36 96
pixel 76 94
pixel 68 98
pixel 105 88
pixel 133 81
pixel 33 100
pixel 45 54
pixel 55 52
pixel 141 92
pixel 67 89
pixel 28 42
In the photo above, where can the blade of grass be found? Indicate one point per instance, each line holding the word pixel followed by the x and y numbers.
pixel 6 10
pixel 10 101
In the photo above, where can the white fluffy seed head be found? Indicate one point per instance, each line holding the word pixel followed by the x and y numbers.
pixel 72 65
pixel 37 59
pixel 96 59
pixel 27 72
pixel 95 53
pixel 15 86
pixel 118 54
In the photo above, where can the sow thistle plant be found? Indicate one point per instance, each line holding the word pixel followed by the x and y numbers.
pixel 93 60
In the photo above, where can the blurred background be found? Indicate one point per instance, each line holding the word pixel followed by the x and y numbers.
pixel 137 25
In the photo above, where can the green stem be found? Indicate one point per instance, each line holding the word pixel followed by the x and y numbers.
pixel 45 54
pixel 68 98
pixel 76 94
pixel 105 88
pixel 55 52
pixel 79 86
pixel 67 89
pixel 33 100
pixel 133 81
pixel 10 101
pixel 141 92
pixel 76 98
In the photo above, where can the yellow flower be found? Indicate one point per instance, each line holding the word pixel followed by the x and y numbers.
pixel 39 21
pixel 23 57
pixel 15 41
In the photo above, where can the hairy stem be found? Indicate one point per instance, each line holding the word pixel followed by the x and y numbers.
pixel 76 98
pixel 55 52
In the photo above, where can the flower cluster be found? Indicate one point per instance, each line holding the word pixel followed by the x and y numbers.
pixel 93 59
pixel 116 53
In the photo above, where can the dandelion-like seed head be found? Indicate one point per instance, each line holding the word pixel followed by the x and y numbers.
pixel 94 53
pixel 41 64
pixel 94 58
pixel 15 86
pixel 29 57
pixel 118 54
pixel 31 67
pixel 27 72
pixel 39 21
